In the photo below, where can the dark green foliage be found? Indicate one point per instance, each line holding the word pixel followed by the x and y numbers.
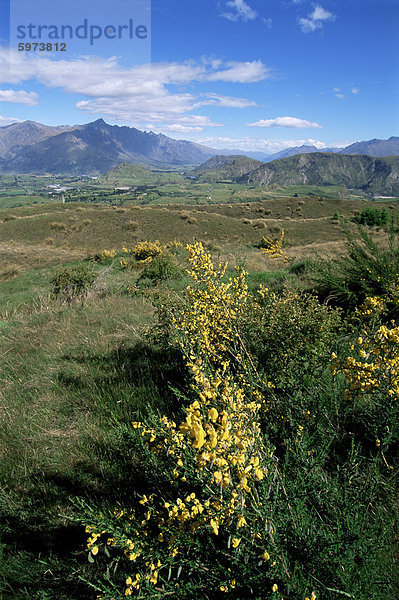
pixel 72 282
pixel 301 267
pixel 161 267
pixel 368 269
pixel 291 336
pixel 373 217
pixel 337 516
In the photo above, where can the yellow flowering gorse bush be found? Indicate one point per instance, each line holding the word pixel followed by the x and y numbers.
pixel 273 248
pixel 215 456
pixel 375 364
pixel 107 254
pixel 147 250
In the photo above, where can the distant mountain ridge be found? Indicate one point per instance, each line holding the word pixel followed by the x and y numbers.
pixel 374 176
pixel 17 135
pixel 96 147
pixel 375 147
pixel 378 148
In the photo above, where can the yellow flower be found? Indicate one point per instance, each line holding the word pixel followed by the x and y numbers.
pixel 275 588
pixel 94 550
pixel 215 526
pixel 266 555
pixel 213 414
pixel 218 476
pixel 241 521
pixel 235 542
pixel 154 577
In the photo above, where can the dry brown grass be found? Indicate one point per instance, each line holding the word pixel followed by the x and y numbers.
pixel 25 239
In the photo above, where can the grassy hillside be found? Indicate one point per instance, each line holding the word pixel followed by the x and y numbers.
pixel 372 175
pixel 229 168
pixel 48 234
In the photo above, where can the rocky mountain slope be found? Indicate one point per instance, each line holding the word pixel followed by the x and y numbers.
pixel 371 175
pixel 96 147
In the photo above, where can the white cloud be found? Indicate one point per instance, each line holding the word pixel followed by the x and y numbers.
pixel 242 72
pixel 247 144
pixel 339 93
pixel 4 121
pixel 19 97
pixel 175 127
pixel 138 94
pixel 285 122
pixel 239 10
pixel 228 101
pixel 141 109
pixel 316 19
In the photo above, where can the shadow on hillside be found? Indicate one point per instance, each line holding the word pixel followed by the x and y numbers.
pixel 141 377
pixel 107 471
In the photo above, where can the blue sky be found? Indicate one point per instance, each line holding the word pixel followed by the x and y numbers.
pixel 247 74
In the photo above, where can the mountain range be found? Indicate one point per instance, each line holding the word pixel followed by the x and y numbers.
pixel 94 148
pixel 89 149
pixel 375 147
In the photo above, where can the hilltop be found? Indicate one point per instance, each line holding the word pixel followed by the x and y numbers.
pixel 220 168
pixel 371 175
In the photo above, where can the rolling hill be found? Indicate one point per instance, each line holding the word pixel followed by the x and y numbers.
pixel 219 168
pixel 371 175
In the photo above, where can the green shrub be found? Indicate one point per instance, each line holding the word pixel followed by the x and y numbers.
pixel 301 267
pixel 368 269
pixel 161 267
pixel 290 335
pixel 69 283
pixel 373 217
